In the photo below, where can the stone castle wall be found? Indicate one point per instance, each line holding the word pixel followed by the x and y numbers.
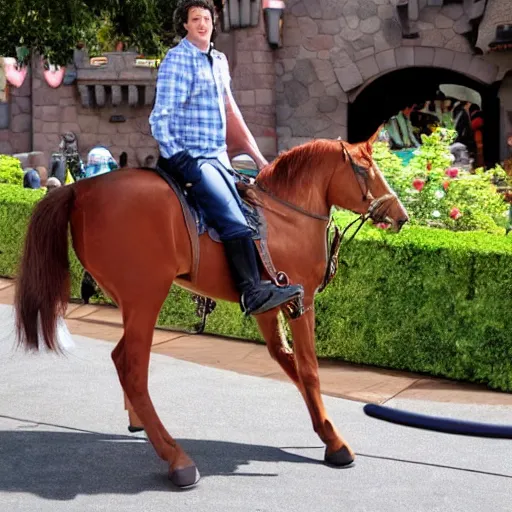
pixel 60 110
pixel 18 137
pixel 333 49
pixel 253 76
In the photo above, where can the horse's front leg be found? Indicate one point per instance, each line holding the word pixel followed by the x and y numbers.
pixel 337 450
pixel 277 346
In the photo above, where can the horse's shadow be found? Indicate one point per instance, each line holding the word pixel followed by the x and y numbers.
pixel 62 465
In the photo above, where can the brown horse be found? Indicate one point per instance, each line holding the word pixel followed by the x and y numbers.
pixel 129 233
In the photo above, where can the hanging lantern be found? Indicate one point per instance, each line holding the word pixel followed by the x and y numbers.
pixel 273 11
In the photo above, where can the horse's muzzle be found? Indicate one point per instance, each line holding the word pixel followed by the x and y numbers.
pixel 399 224
pixel 380 211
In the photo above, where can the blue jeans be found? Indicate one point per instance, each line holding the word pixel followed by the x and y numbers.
pixel 216 195
pixel 212 187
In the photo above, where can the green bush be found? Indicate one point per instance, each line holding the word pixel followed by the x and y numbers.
pixel 16 204
pixel 10 170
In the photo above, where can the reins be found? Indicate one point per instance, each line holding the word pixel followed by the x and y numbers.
pixel 292 206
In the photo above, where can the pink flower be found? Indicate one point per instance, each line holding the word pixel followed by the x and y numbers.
pixel 455 213
pixel 382 225
pixel 418 184
pixel 452 172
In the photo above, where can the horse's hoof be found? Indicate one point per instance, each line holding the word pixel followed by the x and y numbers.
pixel 184 478
pixel 341 458
pixel 133 430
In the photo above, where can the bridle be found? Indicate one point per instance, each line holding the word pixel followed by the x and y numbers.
pixel 376 211
pixel 307 213
pixel 376 205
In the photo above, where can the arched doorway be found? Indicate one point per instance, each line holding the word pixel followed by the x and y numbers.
pixel 390 93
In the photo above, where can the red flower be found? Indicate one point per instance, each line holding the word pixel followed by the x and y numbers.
pixel 446 184
pixel 418 184
pixel 455 213
pixel 429 166
pixel 452 172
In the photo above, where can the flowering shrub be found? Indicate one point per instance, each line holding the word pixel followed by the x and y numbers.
pixel 439 195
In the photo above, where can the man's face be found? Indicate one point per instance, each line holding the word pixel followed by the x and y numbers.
pixel 199 27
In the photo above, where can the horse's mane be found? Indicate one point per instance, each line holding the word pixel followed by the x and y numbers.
pixel 295 170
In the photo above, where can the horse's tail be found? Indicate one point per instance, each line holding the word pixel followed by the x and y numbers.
pixel 43 282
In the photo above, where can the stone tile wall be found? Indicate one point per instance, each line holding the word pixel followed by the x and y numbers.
pixel 56 111
pixel 333 48
pixel 18 137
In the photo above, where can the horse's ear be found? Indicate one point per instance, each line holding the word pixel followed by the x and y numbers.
pixel 373 138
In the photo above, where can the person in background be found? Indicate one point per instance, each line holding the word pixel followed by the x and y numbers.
pixel 477 124
pixel 99 161
pixel 43 174
pixel 31 179
pixel 52 184
pixel 58 168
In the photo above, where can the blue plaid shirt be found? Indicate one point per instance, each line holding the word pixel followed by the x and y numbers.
pixel 190 111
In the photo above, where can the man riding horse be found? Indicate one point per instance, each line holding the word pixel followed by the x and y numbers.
pixel 137 246
pixel 193 110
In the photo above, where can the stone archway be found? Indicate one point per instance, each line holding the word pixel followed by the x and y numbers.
pixel 360 74
pixel 385 94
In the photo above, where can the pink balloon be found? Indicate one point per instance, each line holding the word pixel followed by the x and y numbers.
pixel 14 74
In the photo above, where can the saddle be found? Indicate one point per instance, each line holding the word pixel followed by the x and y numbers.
pixel 197 226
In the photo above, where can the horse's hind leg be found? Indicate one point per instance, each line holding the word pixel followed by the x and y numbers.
pixel 131 358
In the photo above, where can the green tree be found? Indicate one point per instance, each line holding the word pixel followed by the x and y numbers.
pixel 53 29
pixel 43 26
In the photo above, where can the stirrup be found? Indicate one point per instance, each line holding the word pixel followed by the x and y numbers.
pixel 279 297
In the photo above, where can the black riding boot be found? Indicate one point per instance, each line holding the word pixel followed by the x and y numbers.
pixel 256 296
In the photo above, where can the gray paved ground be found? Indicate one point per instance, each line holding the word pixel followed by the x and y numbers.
pixel 64 445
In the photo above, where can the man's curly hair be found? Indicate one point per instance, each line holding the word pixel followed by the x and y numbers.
pixel 181 14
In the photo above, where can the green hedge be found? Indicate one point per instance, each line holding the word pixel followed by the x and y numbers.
pixel 16 204
pixel 426 300
pixel 10 170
